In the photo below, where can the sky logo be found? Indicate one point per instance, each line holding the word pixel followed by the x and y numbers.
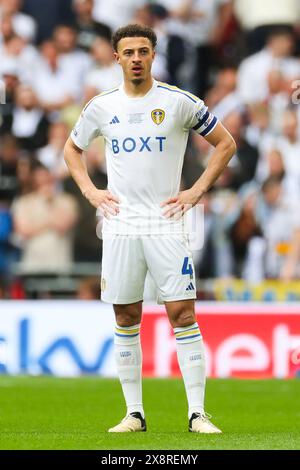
pixel 43 361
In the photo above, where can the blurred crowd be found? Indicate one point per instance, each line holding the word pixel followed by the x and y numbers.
pixel 242 57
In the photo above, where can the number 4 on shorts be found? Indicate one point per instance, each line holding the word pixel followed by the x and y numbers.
pixel 187 268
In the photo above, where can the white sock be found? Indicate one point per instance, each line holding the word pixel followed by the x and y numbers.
pixel 128 355
pixel 191 359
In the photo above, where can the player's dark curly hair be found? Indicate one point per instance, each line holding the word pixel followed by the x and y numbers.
pixel 134 30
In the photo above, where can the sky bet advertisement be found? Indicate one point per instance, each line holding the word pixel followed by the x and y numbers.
pixel 66 338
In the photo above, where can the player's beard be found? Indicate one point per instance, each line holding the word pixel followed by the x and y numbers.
pixel 137 81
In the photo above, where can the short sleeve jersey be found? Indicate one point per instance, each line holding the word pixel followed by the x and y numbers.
pixel 145 143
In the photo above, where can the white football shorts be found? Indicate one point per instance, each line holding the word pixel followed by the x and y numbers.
pixel 127 259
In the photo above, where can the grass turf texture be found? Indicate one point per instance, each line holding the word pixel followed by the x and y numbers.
pixel 54 413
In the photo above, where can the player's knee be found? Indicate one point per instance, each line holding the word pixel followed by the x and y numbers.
pixel 184 318
pixel 127 316
pixel 126 320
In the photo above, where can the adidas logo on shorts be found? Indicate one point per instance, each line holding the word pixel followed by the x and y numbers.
pixel 190 286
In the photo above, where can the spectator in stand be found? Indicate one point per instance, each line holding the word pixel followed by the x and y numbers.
pixel 201 23
pixel 51 156
pixel 23 56
pixel 9 185
pixel 43 221
pixel 243 228
pixel 87 28
pixel 6 29
pixel 51 83
pixel 224 84
pixel 25 167
pixel 277 217
pixel 29 123
pixel 23 25
pixel 258 131
pixel 279 99
pixel 15 48
pixel 48 14
pixel 8 252
pixel 223 97
pixel 9 155
pixel 116 13
pixel 273 165
pixel 291 268
pixel 10 78
pixel 89 289
pixel 254 71
pixel 74 62
pixel 288 144
pixel 263 17
pixel 105 73
pixel 243 165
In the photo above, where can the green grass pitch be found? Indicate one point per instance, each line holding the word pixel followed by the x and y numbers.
pixel 54 413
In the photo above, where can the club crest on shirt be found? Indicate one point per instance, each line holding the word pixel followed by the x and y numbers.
pixel 158 115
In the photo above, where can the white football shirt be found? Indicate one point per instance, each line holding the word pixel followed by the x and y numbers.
pixel 145 143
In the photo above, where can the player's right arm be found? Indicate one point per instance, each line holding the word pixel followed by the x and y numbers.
pixel 99 198
pixel 85 131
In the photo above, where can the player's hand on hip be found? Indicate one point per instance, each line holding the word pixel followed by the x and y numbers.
pixel 104 200
pixel 177 206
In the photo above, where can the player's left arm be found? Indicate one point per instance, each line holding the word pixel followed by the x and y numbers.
pixel 225 148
